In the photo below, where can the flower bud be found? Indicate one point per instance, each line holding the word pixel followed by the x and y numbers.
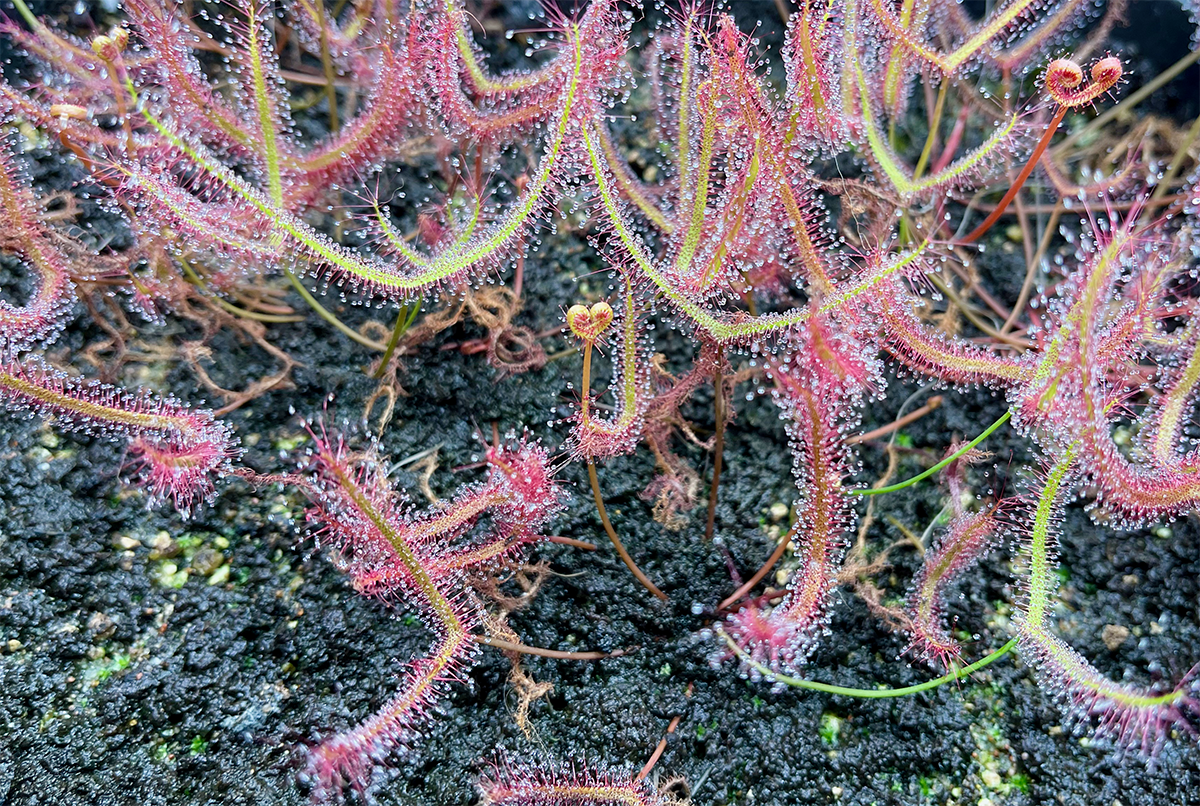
pixel 108 47
pixel 103 45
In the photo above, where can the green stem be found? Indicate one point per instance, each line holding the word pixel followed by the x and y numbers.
pixel 325 314
pixel 27 15
pixel 957 454
pixel 934 125
pixel 198 281
pixel 866 693
pixel 404 321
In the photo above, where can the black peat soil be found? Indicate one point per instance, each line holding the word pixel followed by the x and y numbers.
pixel 147 659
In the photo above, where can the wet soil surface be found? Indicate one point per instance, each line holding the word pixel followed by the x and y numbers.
pixel 147 659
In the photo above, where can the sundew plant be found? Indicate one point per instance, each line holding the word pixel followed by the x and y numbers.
pixel 816 224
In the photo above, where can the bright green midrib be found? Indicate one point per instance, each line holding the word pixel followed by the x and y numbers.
pixel 440 269
pixel 438 603
pixel 481 80
pixel 452 629
pixel 632 188
pixel 629 368
pixel 841 298
pixel 683 130
pixel 691 238
pixel 1172 411
pixel 942 356
pixel 899 179
pixel 1083 676
pixel 1089 304
pixel 1039 563
pixel 1085 307
pixel 266 120
pixel 736 219
pixel 895 67
pixel 850 57
pixel 718 330
pixel 628 376
pixel 397 241
pixel 1033 622
pixel 952 61
pixel 987 32
pixel 86 408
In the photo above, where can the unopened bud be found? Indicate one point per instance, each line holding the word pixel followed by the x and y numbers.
pixel 120 38
pixel 1064 73
pixel 109 46
pixel 1107 72
pixel 103 47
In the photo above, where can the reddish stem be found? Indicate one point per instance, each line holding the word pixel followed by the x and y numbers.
pixel 658 751
pixel 1020 181
pixel 570 541
pixel 616 541
pixel 952 141
pixel 557 654
pixel 762 572
pixel 933 403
